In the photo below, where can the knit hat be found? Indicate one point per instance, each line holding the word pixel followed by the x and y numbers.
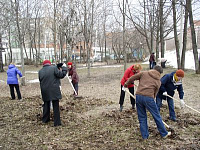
pixel 46 62
pixel 69 63
pixel 180 73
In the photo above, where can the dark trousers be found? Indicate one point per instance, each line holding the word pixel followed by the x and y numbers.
pixel 122 95
pixel 12 92
pixel 75 85
pixel 56 112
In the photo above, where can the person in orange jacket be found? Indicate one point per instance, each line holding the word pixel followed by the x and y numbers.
pixel 132 70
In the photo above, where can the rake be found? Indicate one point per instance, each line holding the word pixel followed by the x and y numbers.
pixel 185 104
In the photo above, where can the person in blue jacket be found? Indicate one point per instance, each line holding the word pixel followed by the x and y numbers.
pixel 12 80
pixel 169 83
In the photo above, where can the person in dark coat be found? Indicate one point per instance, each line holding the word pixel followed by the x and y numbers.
pixel 169 83
pixel 152 61
pixel 149 83
pixel 49 77
pixel 74 77
pixel 132 70
pixel 12 81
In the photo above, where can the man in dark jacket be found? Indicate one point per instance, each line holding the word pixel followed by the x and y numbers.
pixel 169 83
pixel 49 77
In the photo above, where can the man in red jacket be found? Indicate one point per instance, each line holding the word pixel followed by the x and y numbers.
pixel 132 70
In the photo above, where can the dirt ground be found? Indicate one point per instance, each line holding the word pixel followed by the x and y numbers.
pixel 93 121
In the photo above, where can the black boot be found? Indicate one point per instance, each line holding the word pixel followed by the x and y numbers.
pixel 121 108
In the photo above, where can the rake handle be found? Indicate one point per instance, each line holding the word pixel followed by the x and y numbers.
pixel 71 85
pixel 185 104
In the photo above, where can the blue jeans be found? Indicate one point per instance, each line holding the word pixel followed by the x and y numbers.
pixel 152 64
pixel 143 103
pixel 170 102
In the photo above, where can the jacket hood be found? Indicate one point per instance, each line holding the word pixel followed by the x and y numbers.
pixel 131 67
pixel 172 74
pixel 154 74
pixel 11 66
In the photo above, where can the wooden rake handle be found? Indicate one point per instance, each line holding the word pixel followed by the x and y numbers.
pixel 185 104
pixel 71 85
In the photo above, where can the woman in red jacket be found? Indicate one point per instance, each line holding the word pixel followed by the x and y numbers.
pixel 128 73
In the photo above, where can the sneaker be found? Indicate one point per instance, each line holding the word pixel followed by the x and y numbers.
pixel 121 108
pixel 168 134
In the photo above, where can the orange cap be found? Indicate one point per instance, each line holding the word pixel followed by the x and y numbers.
pixel 180 73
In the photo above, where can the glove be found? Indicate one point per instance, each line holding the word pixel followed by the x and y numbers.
pixel 165 93
pixel 125 85
pixel 124 89
pixel 70 78
pixel 182 103
pixel 59 65
pixel 64 65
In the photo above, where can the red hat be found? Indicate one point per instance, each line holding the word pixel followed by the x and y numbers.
pixel 46 62
pixel 180 73
pixel 69 63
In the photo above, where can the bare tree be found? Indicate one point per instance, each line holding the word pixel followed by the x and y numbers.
pixel 161 28
pixel 194 44
pixel 55 29
pixel 16 8
pixel 147 22
pixel 184 36
pixel 175 34
pixel 86 16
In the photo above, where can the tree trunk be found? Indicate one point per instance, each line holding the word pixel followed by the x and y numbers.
pixel 1 57
pixel 161 30
pixel 124 47
pixel 184 38
pixel 38 54
pixel 157 38
pixel 175 33
pixel 54 32
pixel 194 44
pixel 9 44
pixel 20 40
pixel 25 47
